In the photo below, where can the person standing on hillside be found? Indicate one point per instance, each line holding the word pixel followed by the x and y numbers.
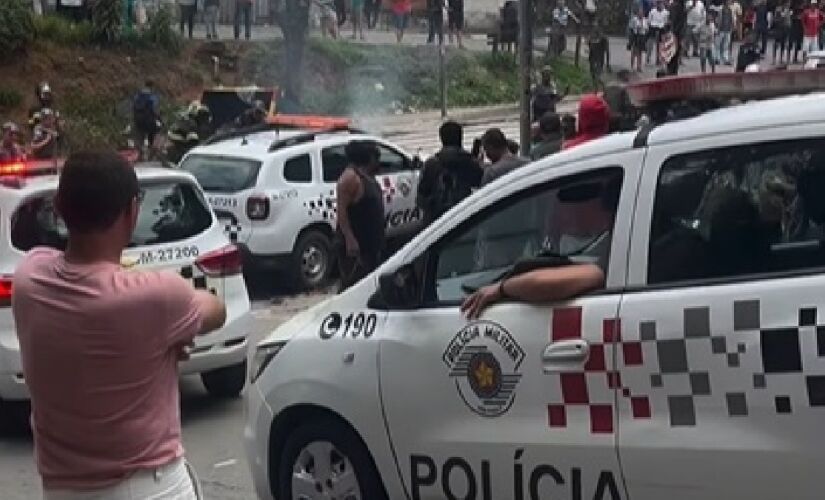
pixel 455 21
pixel 45 136
pixel 449 176
pixel 100 346
pixel 401 10
pixel 146 118
pixel 212 8
pixel 243 8
pixel 187 15
pixel 812 19
pixel 10 149
pixel 360 202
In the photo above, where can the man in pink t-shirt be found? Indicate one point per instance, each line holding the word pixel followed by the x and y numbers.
pixel 100 346
pixel 401 9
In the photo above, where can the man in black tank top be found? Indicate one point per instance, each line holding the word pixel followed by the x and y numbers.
pixel 360 231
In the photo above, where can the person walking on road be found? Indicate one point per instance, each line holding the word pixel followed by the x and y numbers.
pixel 695 20
pixel 211 7
pixel 782 20
pixel 725 24
pixel 187 15
pixel 243 9
pixel 357 17
pixel 561 19
pixel 435 20
pixel 598 55
pixel 360 202
pixel 638 38
pixel 657 20
pixel 812 19
pixel 545 95
pixel 449 176
pixel 762 24
pixel 401 10
pixel 795 36
pixel 707 40
pixel 497 149
pixel 736 9
pixel 372 8
pixel 100 346
pixel 455 21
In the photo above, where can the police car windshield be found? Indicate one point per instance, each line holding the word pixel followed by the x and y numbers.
pixel 169 212
pixel 220 174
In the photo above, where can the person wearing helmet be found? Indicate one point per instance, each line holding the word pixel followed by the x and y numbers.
pixel 252 116
pixel 45 100
pixel 184 132
pixel 45 136
pixel 546 94
pixel 10 149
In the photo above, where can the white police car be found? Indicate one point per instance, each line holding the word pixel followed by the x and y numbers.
pixel 698 372
pixel 274 191
pixel 175 230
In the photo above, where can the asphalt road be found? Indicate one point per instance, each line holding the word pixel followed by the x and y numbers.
pixel 212 429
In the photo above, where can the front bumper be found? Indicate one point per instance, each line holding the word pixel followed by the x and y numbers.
pixel 259 418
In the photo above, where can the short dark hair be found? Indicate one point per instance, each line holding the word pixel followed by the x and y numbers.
pixel 550 122
pixel 95 189
pixel 451 133
pixel 494 138
pixel 361 153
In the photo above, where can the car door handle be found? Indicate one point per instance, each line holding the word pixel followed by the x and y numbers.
pixel 560 355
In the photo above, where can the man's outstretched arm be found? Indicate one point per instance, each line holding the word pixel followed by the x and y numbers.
pixel 538 286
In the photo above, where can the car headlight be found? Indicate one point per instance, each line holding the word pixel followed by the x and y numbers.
pixel 263 355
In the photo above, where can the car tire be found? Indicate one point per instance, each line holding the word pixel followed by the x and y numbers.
pixel 327 438
pixel 312 260
pixel 226 382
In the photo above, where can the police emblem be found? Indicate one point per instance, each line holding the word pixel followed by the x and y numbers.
pixel 484 360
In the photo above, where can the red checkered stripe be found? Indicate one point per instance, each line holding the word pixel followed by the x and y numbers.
pixel 566 324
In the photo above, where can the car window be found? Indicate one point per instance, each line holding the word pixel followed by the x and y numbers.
pixel 391 160
pixel 739 211
pixel 298 169
pixel 169 212
pixel 572 216
pixel 221 174
pixel 333 162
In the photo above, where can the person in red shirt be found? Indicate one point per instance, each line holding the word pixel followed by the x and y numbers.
pixel 594 120
pixel 401 9
pixel 812 19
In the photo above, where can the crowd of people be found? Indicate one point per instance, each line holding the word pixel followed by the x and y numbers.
pixel 44 131
pixel 663 32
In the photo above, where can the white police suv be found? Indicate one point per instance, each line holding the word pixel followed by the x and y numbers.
pixel 175 230
pixel 274 191
pixel 698 372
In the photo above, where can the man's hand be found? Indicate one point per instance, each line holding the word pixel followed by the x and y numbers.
pixel 183 351
pixel 353 249
pixel 474 305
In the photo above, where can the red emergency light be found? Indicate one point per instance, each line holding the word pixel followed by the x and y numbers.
pixel 309 121
pixel 13 168
pixel 745 86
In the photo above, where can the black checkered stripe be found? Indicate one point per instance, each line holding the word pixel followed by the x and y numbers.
pixel 750 367
pixel 199 280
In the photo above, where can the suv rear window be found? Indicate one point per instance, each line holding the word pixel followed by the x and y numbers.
pixel 169 212
pixel 220 174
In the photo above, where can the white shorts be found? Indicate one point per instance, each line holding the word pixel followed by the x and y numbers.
pixel 173 481
pixel 810 44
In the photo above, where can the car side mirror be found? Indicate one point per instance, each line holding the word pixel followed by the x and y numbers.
pixel 397 290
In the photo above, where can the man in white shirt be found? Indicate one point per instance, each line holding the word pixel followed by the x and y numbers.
pixel 657 19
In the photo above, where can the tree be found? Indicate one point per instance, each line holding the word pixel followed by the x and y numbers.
pixel 106 20
pixel 293 18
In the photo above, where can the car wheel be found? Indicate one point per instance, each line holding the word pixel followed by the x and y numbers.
pixel 324 459
pixel 312 260
pixel 226 382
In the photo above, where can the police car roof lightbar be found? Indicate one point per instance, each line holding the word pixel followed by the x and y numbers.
pixel 309 137
pixel 23 168
pixel 720 86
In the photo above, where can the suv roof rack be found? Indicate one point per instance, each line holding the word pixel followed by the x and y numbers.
pixel 310 136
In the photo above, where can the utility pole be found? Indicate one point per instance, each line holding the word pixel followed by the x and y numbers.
pixel 525 22
pixel 442 76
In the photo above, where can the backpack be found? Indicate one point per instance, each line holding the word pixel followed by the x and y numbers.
pixel 143 111
pixel 448 190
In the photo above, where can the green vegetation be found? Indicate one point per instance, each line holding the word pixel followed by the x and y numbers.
pixel 348 79
pixel 106 20
pixel 9 99
pixel 15 27
pixel 61 31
